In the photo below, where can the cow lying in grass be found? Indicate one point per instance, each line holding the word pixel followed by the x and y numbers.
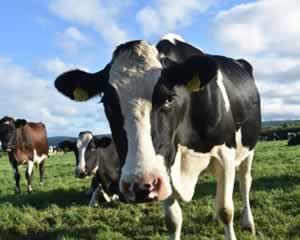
pixel 98 157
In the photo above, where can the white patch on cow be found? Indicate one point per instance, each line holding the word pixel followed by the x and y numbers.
pixel 82 144
pixel 223 90
pixel 171 37
pixel 186 169
pixel 242 152
pixel 7 123
pixel 30 167
pixel 133 74
pixel 38 159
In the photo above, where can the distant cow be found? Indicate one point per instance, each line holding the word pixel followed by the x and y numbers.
pixel 294 139
pixel 26 143
pixel 97 156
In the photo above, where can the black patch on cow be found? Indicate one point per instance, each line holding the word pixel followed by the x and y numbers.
pixel 179 51
pixel 20 123
pixel 112 108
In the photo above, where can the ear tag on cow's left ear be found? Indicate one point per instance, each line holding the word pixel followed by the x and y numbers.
pixel 80 94
pixel 194 84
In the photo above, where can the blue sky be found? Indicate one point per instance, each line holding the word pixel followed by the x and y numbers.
pixel 41 39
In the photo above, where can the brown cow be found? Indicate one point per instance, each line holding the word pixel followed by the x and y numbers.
pixel 26 143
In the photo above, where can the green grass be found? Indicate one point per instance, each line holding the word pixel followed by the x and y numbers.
pixel 58 210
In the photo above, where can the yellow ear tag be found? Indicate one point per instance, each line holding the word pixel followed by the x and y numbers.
pixel 194 84
pixel 80 95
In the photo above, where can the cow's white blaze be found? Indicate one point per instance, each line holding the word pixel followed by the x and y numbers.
pixel 134 74
pixel 223 90
pixel 82 144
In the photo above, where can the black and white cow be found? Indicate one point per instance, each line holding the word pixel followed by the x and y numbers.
pixel 204 111
pixel 294 139
pixel 97 156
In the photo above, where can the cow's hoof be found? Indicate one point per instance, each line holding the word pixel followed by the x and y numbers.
pixel 17 190
pixel 94 204
pixel 249 228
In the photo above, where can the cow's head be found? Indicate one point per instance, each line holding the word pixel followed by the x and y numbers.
pixel 88 153
pixel 172 101
pixel 8 127
pixel 127 83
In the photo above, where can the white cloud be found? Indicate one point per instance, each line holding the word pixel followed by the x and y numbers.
pixel 261 26
pixel 266 33
pixel 103 18
pixel 165 16
pixel 57 66
pixel 24 95
pixel 72 40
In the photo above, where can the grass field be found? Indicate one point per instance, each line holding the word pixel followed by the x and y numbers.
pixel 58 210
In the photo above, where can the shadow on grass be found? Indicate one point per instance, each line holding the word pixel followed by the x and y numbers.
pixel 275 182
pixel 41 200
pixel 58 234
pixel 258 184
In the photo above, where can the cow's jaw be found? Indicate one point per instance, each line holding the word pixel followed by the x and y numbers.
pixel 133 74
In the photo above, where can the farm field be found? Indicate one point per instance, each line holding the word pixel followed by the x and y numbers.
pixel 58 210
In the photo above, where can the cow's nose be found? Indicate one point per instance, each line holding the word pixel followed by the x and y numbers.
pixel 143 191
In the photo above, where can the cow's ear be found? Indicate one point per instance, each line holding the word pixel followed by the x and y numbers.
pixel 103 142
pixel 20 123
pixel 79 85
pixel 198 71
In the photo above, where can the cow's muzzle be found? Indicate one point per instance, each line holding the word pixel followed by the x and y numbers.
pixel 145 189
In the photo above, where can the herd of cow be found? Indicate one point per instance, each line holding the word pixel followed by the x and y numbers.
pixel 173 111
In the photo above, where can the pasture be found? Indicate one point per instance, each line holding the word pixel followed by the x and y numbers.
pixel 58 210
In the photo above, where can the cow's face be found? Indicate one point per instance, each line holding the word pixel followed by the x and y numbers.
pixel 86 159
pixel 127 84
pixel 172 101
pixel 7 130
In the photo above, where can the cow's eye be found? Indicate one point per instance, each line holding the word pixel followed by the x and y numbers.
pixel 169 102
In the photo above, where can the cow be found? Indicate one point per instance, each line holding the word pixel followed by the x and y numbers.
pixel 294 139
pixel 174 111
pixel 26 144
pixel 97 156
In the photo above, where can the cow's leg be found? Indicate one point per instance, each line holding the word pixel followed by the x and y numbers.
pixel 42 171
pixel 245 179
pixel 225 173
pixel 95 197
pixel 93 187
pixel 29 172
pixel 173 217
pixel 17 178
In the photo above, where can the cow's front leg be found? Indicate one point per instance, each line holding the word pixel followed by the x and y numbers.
pixel 17 178
pixel 173 217
pixel 28 174
pixel 245 180
pixel 225 173
pixel 42 171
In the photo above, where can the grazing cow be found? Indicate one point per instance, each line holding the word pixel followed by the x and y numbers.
pixel 205 112
pixel 97 156
pixel 294 139
pixel 26 143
